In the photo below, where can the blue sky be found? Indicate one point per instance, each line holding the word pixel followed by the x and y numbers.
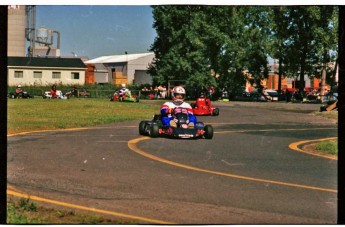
pixel 95 30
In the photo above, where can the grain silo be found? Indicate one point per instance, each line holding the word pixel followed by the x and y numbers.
pixel 16 30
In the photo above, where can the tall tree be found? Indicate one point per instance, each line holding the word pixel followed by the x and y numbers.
pixel 308 30
pixel 178 46
pixel 277 48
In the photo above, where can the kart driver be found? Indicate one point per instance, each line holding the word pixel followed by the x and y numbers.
pixel 124 91
pixel 19 91
pixel 202 102
pixel 178 96
pixel 53 92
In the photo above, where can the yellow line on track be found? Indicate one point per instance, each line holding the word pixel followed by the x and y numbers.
pixel 66 129
pixel 48 130
pixel 294 146
pixel 36 198
pixel 132 145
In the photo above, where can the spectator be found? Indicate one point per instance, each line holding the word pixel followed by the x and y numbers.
pixel 160 91
pixel 156 92
pixel 164 92
pixel 211 92
pixel 151 93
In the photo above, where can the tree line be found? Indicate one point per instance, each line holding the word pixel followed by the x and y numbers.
pixel 220 45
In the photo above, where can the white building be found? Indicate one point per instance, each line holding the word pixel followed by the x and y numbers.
pixel 127 68
pixel 45 71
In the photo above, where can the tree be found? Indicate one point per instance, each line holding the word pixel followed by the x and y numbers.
pixel 178 46
pixel 231 41
pixel 277 48
pixel 310 37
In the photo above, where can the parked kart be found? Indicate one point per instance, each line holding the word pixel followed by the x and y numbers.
pixel 125 97
pixel 75 92
pixel 202 106
pixel 155 127
pixel 48 95
pixel 22 95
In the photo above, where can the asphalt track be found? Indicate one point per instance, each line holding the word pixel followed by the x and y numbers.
pixel 252 172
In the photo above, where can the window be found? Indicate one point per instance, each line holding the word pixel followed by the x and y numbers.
pixel 37 74
pixel 18 74
pixel 74 76
pixel 56 75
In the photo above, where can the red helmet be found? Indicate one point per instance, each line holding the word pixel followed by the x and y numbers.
pixel 178 95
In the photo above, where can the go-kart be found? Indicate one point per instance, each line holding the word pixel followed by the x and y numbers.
pixel 22 95
pixel 59 95
pixel 202 106
pixel 78 92
pixel 124 97
pixel 155 127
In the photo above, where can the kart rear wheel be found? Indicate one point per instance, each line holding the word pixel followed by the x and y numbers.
pixel 142 128
pixel 215 112
pixel 208 132
pixel 154 130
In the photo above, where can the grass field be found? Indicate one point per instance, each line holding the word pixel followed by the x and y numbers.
pixel 44 114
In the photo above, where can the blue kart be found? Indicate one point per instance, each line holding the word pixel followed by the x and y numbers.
pixel 155 127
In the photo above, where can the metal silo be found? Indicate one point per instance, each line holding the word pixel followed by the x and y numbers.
pixel 16 30
pixel 42 35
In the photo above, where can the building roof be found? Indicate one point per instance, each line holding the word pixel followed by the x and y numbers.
pixel 117 58
pixel 45 62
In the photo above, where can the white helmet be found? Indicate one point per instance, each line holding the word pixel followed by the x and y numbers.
pixel 178 95
pixel 123 85
pixel 19 86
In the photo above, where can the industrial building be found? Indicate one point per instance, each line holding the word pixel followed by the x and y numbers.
pixel 122 69
pixel 22 32
pixel 45 71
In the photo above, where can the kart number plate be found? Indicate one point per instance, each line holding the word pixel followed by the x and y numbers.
pixel 185 135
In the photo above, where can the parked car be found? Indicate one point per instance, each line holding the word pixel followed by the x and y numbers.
pixel 253 96
pixel 271 95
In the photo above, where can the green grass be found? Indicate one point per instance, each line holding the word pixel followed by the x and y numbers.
pixel 26 212
pixel 45 114
pixel 328 147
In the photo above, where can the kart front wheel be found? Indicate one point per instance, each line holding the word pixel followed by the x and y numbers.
pixel 142 128
pixel 208 132
pixel 215 112
pixel 154 131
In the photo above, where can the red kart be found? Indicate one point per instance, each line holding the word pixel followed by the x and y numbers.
pixel 202 106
